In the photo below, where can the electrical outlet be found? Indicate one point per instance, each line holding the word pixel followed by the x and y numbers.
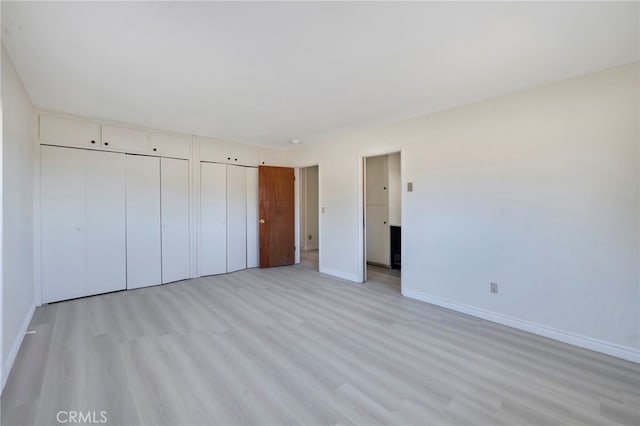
pixel 494 287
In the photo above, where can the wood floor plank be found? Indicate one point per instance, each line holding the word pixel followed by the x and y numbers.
pixel 292 346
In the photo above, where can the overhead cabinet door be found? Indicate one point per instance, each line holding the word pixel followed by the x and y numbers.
pixel 106 233
pixel 175 219
pixel 143 221
pixel 63 223
pixel 213 151
pixel 126 140
pixel 243 155
pixel 63 131
pixel 212 251
pixel 236 218
pixel 170 146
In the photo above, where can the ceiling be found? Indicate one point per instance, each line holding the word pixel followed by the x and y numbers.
pixel 266 73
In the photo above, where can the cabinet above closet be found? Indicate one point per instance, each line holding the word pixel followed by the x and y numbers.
pixel 65 131
pixel 170 146
pixel 229 153
pixel 61 131
pixel 125 140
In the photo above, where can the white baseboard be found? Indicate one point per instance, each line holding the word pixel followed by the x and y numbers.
pixel 339 274
pixel 612 349
pixel 11 357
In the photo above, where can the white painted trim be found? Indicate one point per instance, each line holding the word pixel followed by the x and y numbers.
pixel 1 231
pixel 340 274
pixel 362 193
pixel 11 356
pixel 299 192
pixel 362 206
pixel 319 216
pixel 601 346
pixel 296 214
pixel 36 225
pixel 194 203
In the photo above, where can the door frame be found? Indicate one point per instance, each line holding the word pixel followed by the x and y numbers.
pixel 362 211
pixel 297 196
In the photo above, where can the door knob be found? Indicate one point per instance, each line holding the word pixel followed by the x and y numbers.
pixel 262 220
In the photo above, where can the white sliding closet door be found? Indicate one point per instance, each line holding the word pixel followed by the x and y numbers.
pixel 175 219
pixel 106 234
pixel 253 236
pixel 212 258
pixel 143 221
pixel 236 218
pixel 63 223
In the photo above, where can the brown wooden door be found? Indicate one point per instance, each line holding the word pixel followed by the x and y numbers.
pixel 276 194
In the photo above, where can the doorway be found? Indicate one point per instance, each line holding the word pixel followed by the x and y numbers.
pixel 309 217
pixel 382 215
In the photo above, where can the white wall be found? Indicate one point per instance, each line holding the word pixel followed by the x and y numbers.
pixel 18 168
pixel 537 191
pixel 395 189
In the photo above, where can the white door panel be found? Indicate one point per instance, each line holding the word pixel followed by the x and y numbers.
pixel 243 155
pixel 378 244
pixel 271 157
pixel 236 218
pixel 64 131
pixel 214 151
pixel 212 257
pixel 106 234
pixel 175 219
pixel 377 180
pixel 63 226
pixel 143 221
pixel 126 140
pixel 253 236
pixel 170 146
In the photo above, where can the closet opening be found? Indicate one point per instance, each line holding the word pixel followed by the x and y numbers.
pixel 309 241
pixel 382 204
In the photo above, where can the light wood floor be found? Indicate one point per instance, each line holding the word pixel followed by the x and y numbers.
pixel 289 345
pixel 375 273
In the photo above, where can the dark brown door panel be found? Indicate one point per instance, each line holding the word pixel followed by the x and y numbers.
pixel 276 194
